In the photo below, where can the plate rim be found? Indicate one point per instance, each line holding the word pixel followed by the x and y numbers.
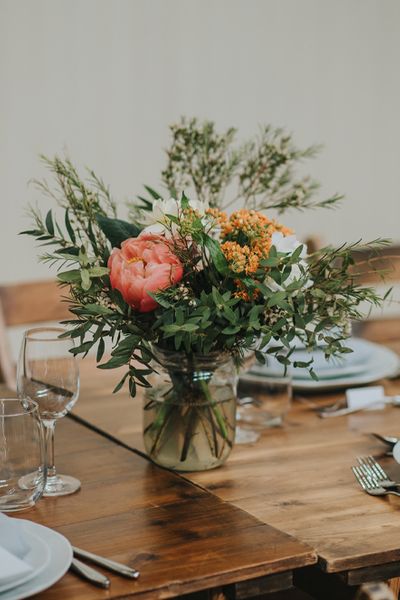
pixel 56 568
pixel 369 376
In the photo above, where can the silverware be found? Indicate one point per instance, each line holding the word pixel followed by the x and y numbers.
pixel 111 565
pixel 331 412
pixel 389 440
pixel 371 468
pixel 90 574
pixel 370 485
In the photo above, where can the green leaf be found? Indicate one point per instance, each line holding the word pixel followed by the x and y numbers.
pixel 189 327
pixel 69 228
pixel 121 383
pixel 113 363
pixel 217 257
pixel 231 330
pixel 98 271
pixel 97 309
pixel 50 223
pixel 294 258
pixel 132 386
pixel 85 278
pixel 100 350
pixel 72 276
pixel 116 230
pixel 260 356
pixel 85 347
pixel 34 232
pixel 184 201
pixel 152 193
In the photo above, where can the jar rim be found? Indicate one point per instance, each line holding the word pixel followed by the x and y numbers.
pixel 33 334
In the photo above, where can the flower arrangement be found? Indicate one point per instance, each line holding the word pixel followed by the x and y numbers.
pixel 184 276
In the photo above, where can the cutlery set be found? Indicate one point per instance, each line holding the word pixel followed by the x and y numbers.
pixel 373 478
pixel 338 409
pixel 95 577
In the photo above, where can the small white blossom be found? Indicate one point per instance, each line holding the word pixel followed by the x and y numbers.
pixel 157 220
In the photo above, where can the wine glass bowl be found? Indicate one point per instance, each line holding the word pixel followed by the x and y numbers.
pixel 48 374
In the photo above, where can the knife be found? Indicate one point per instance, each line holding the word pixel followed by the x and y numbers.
pixel 90 574
pixel 116 567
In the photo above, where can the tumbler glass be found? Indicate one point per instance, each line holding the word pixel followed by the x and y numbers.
pixel 22 451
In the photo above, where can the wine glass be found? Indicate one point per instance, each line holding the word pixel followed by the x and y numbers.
pixel 48 374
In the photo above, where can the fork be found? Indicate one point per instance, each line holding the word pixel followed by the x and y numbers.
pixel 371 485
pixel 371 468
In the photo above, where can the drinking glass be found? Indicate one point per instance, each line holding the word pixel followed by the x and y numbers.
pixel 266 402
pixel 48 374
pixel 21 451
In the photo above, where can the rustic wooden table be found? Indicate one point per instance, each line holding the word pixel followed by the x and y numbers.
pixel 296 478
pixel 180 537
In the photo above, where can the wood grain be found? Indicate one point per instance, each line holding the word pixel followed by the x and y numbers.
pixel 296 478
pixel 180 537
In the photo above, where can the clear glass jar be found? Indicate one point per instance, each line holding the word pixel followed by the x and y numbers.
pixel 189 412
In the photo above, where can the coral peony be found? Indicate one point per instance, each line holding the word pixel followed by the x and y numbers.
pixel 143 264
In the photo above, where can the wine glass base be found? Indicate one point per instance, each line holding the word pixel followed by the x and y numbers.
pixel 59 485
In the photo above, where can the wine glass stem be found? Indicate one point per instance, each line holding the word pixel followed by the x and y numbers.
pixel 51 469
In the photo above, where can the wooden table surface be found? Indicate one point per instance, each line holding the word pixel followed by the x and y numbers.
pixel 296 478
pixel 180 537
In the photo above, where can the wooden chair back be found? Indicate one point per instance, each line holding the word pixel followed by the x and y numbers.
pixel 26 304
pixel 375 267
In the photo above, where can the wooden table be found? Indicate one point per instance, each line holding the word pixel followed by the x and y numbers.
pixel 181 537
pixel 297 478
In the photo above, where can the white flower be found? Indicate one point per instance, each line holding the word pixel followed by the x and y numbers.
pixel 158 221
pixel 287 244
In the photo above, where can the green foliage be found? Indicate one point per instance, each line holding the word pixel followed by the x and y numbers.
pixel 213 307
pixel 259 173
pixel 116 230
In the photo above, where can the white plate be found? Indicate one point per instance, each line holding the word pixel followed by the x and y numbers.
pixel 38 558
pixel 379 362
pixel 60 551
pixel 383 362
pixel 351 363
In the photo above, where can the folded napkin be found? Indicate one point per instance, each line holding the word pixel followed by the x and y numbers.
pixel 13 549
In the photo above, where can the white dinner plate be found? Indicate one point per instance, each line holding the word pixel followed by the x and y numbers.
pixel 379 362
pixel 382 363
pixel 37 558
pixel 60 552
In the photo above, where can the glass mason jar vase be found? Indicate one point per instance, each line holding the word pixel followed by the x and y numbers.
pixel 189 412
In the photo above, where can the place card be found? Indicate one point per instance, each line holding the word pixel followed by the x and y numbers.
pixel 365 396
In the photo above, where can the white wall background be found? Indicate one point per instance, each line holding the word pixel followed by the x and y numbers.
pixel 104 78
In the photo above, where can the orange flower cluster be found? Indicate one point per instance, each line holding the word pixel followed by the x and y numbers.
pixel 243 293
pixel 219 216
pixel 246 240
pixel 240 258
pixel 254 224
pixel 247 235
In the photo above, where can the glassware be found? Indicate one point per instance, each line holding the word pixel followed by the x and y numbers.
pixel 266 402
pixel 48 373
pixel 21 451
pixel 190 410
